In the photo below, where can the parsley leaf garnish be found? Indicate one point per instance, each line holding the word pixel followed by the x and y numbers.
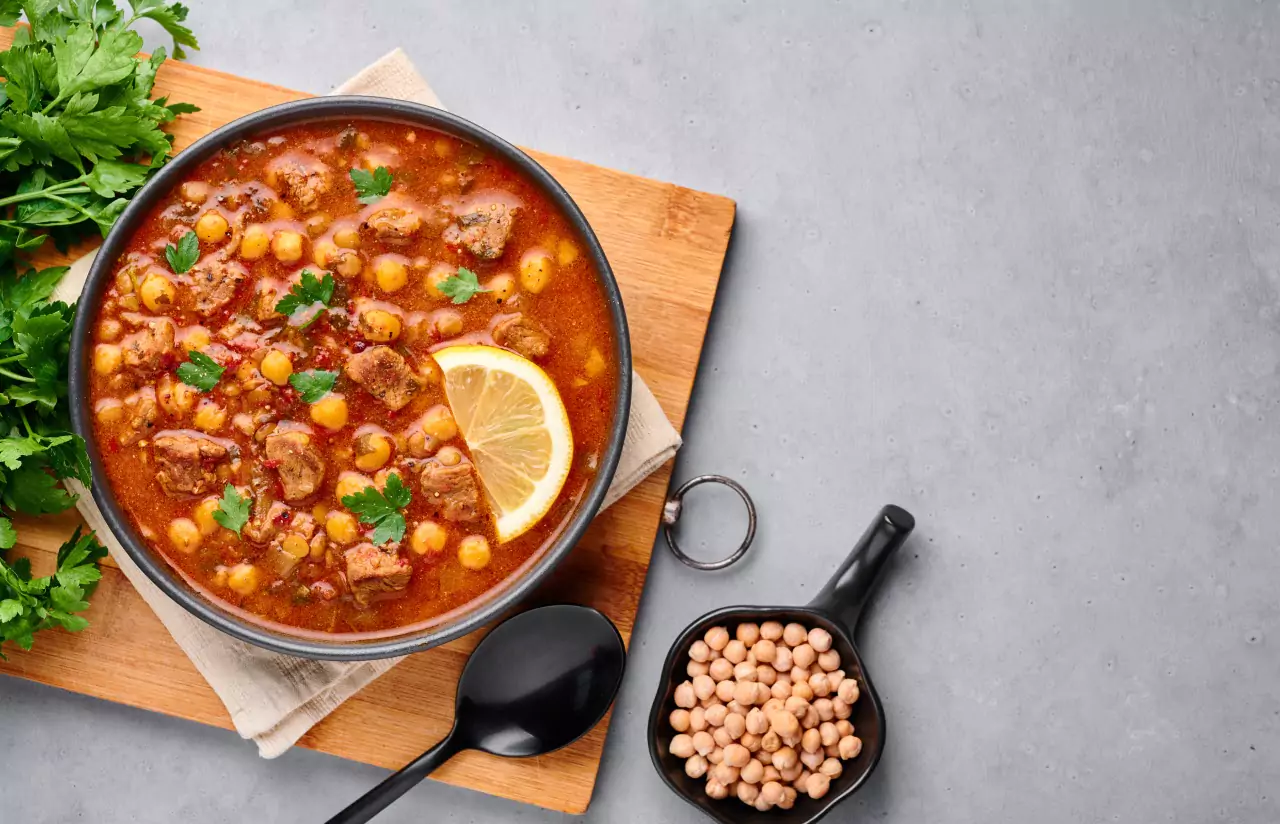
pixel 371 186
pixel 381 510
pixel 28 605
pixel 233 510
pixel 313 384
pixel 306 299
pixel 462 287
pixel 183 256
pixel 201 372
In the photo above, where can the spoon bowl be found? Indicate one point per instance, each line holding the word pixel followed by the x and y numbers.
pixel 836 609
pixel 538 682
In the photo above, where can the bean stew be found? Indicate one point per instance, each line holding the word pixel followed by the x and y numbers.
pixel 266 396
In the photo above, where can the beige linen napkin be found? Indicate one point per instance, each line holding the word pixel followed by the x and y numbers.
pixel 273 698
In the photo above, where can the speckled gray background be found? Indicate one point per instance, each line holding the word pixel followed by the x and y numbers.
pixel 1014 266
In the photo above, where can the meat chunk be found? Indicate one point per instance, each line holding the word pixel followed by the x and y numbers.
pixel 372 571
pixel 265 297
pixel 187 464
pixel 149 351
pixel 298 463
pixel 140 407
pixel 483 227
pixel 266 521
pixel 394 223
pixel 451 491
pixel 524 335
pixel 384 374
pixel 301 184
pixel 214 283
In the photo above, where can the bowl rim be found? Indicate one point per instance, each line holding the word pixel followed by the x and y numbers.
pixel 660 710
pixel 494 602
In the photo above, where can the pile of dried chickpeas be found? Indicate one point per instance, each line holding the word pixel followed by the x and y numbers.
pixel 765 714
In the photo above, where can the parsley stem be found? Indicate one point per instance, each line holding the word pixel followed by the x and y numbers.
pixel 16 376
pixel 13 358
pixel 22 413
pixel 70 187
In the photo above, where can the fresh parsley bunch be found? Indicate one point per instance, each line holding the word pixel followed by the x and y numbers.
pixel 79 133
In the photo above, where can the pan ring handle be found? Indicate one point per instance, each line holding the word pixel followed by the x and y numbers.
pixel 674 506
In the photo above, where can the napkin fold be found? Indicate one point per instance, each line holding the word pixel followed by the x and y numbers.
pixel 274 699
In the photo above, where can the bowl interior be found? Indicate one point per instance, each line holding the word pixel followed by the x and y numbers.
pixel 284 639
pixel 867 719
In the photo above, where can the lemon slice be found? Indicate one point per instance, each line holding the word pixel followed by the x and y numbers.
pixel 516 427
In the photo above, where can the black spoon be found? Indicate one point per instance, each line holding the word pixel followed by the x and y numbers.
pixel 538 682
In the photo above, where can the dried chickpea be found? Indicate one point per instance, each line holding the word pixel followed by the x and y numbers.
pixel 736 755
pixel 782 660
pixel 818 785
pixel 211 227
pixel 844 728
pixel 695 766
pixel 819 639
pixel 801 782
pixel 744 692
pixel 680 723
pixel 744 671
pixel 748 634
pixel 796 706
pixel 793 772
pixel 766 651
pixel 720 669
pixel 473 552
pixel 788 801
pixel 811 718
pixel 829 661
pixel 820 684
pixel 717 638
pixel 771 742
pixel 766 675
pixel 794 635
pixel 697 719
pixel 804 656
pixel 771 631
pixel 254 242
pixel 287 246
pixel 699 651
pixel 784 758
pixel 696 668
pixel 735 651
pixel 724 773
pixel 428 538
pixel 751 772
pixel 681 746
pixel 276 367
pixel 811 742
pixel 764 756
pixel 107 358
pixel 848 691
pixel 756 722
pixel 763 693
pixel 735 708
pixel 716 790
pixel 724 690
pixel 716 713
pixel 721 736
pixel 736 724
pixel 685 696
pixel 781 689
pixel 772 792
pixel 703 743
pixel 813 760
pixel 784 724
pixel 747 792
pixel 824 708
pixel 829 734
pixel 801 689
pixel 799 674
pixel 850 746
pixel 706 702
pixel 832 768
pixel 751 742
pixel 841 708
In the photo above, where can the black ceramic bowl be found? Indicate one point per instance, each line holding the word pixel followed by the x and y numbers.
pixel 836 609
pixel 310 644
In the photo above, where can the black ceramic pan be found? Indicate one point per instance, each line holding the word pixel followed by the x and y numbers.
pixel 284 639
pixel 836 609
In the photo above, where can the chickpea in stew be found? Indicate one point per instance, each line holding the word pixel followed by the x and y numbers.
pixel 266 393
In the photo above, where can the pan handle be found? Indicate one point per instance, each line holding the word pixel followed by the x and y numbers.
pixel 850 588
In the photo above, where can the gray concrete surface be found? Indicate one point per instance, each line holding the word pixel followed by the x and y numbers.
pixel 1015 266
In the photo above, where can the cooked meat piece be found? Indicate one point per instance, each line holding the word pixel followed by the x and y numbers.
pixel 483 227
pixel 452 492
pixel 141 409
pixel 384 374
pixel 149 351
pixel 301 185
pixel 266 521
pixel 394 223
pixel 280 556
pixel 524 335
pixel 214 283
pixel 265 298
pixel 371 571
pixel 188 464
pixel 297 461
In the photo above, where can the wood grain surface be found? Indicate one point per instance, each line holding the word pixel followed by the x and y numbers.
pixel 666 245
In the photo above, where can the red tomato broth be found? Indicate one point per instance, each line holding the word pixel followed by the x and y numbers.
pixel 430 170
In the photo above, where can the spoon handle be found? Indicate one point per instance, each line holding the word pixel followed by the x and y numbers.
pixel 377 799
pixel 847 592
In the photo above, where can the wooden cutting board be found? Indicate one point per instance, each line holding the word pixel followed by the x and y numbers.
pixel 667 246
